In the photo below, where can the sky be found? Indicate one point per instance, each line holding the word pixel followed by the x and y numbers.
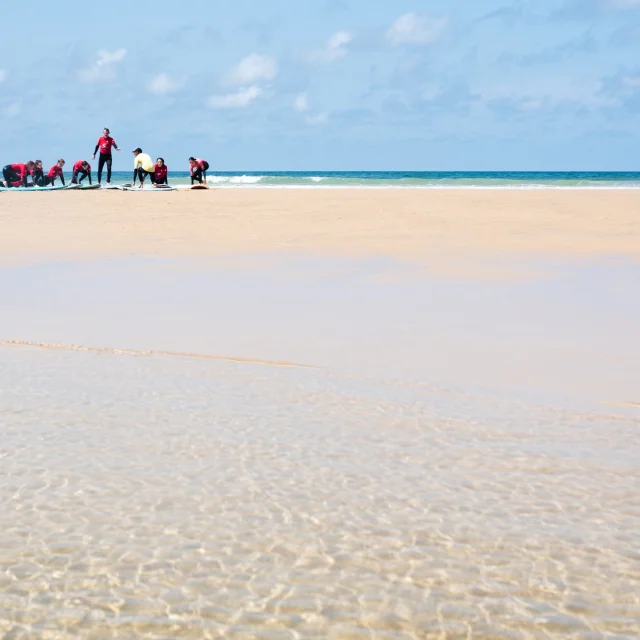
pixel 327 84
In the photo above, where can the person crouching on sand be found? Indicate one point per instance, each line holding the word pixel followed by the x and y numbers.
pixel 82 169
pixel 198 169
pixel 55 172
pixel 160 172
pixel 142 166
pixel 15 175
pixel 37 174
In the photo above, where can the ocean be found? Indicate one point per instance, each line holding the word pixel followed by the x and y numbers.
pixel 411 179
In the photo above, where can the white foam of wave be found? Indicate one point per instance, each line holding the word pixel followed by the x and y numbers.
pixel 234 179
pixel 523 187
pixel 248 181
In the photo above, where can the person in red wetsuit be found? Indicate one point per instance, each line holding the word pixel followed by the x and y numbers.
pixel 55 172
pixel 15 175
pixel 105 144
pixel 160 172
pixel 198 169
pixel 83 169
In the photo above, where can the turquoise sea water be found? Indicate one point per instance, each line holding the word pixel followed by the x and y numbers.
pixel 427 179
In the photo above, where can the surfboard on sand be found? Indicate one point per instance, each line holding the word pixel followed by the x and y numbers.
pixel 191 187
pixel 89 186
pixel 25 189
pixel 149 188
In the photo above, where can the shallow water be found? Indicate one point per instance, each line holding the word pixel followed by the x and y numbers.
pixel 564 332
pixel 164 496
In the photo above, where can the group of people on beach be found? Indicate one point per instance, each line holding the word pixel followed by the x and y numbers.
pixel 31 174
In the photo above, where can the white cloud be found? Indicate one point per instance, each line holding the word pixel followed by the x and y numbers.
pixel 3 75
pixel 104 68
pixel 431 92
pixel 413 28
pixel 320 118
pixel 338 40
pixel 162 84
pixel 13 110
pixel 253 68
pixel 237 100
pixel 624 5
pixel 334 49
pixel 301 103
pixel 633 82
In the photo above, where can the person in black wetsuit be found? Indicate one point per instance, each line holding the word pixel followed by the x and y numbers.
pixel 105 144
pixel 37 175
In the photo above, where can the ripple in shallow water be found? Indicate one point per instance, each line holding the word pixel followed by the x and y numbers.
pixel 158 497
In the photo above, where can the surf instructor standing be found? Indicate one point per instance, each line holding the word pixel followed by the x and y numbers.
pixel 105 144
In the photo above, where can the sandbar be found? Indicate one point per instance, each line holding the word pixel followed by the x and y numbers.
pixel 402 223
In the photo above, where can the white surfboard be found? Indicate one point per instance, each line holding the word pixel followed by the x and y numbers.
pixel 32 189
pixel 129 188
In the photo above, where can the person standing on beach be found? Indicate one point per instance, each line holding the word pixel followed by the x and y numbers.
pixel 198 169
pixel 15 175
pixel 55 172
pixel 142 166
pixel 160 172
pixel 105 144
pixel 83 169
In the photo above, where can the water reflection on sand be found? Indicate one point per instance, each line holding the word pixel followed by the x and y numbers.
pixel 164 496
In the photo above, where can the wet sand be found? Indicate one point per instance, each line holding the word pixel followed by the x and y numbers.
pixel 409 223
pixel 556 329
pixel 442 465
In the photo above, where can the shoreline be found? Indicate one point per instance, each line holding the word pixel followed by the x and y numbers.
pixel 405 223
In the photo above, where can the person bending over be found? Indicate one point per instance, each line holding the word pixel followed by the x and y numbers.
pixel 55 172
pixel 105 144
pixel 15 175
pixel 37 174
pixel 198 169
pixel 142 166
pixel 81 170
pixel 160 172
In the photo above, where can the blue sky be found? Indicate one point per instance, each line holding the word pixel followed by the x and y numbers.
pixel 329 84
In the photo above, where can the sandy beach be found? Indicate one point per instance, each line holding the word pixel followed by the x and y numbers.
pixel 407 223
pixel 301 414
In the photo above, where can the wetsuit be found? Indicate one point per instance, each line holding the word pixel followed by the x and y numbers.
pixel 37 177
pixel 54 172
pixel 160 174
pixel 78 170
pixel 199 171
pixel 105 143
pixel 15 175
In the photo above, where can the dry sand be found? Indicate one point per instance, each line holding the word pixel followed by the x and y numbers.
pixel 402 223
